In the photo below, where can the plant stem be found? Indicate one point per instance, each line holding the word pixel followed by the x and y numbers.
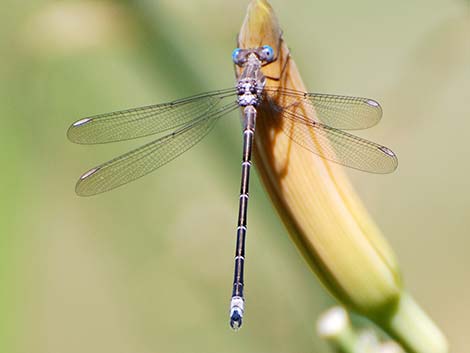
pixel 413 329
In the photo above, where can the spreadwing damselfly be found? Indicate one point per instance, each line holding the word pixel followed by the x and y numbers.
pixel 313 121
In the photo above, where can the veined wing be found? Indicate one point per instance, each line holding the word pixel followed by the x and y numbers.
pixel 336 145
pixel 340 112
pixel 148 120
pixel 147 158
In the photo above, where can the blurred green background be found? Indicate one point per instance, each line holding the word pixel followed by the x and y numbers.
pixel 148 267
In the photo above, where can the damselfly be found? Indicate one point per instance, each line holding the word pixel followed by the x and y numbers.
pixel 313 121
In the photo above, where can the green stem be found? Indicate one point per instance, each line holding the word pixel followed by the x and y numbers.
pixel 413 329
pixel 347 341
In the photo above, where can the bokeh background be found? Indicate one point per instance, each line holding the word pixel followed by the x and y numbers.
pixel 148 267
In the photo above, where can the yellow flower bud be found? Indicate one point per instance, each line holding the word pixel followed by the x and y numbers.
pixel 320 209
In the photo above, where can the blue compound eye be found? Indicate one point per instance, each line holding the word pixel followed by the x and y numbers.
pixel 236 55
pixel 268 53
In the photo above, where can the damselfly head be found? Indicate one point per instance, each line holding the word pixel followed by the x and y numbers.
pixel 265 54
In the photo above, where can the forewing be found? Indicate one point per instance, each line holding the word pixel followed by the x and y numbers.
pixel 144 121
pixel 340 112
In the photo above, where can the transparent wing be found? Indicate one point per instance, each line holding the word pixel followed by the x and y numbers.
pixel 335 145
pixel 144 121
pixel 340 112
pixel 149 157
